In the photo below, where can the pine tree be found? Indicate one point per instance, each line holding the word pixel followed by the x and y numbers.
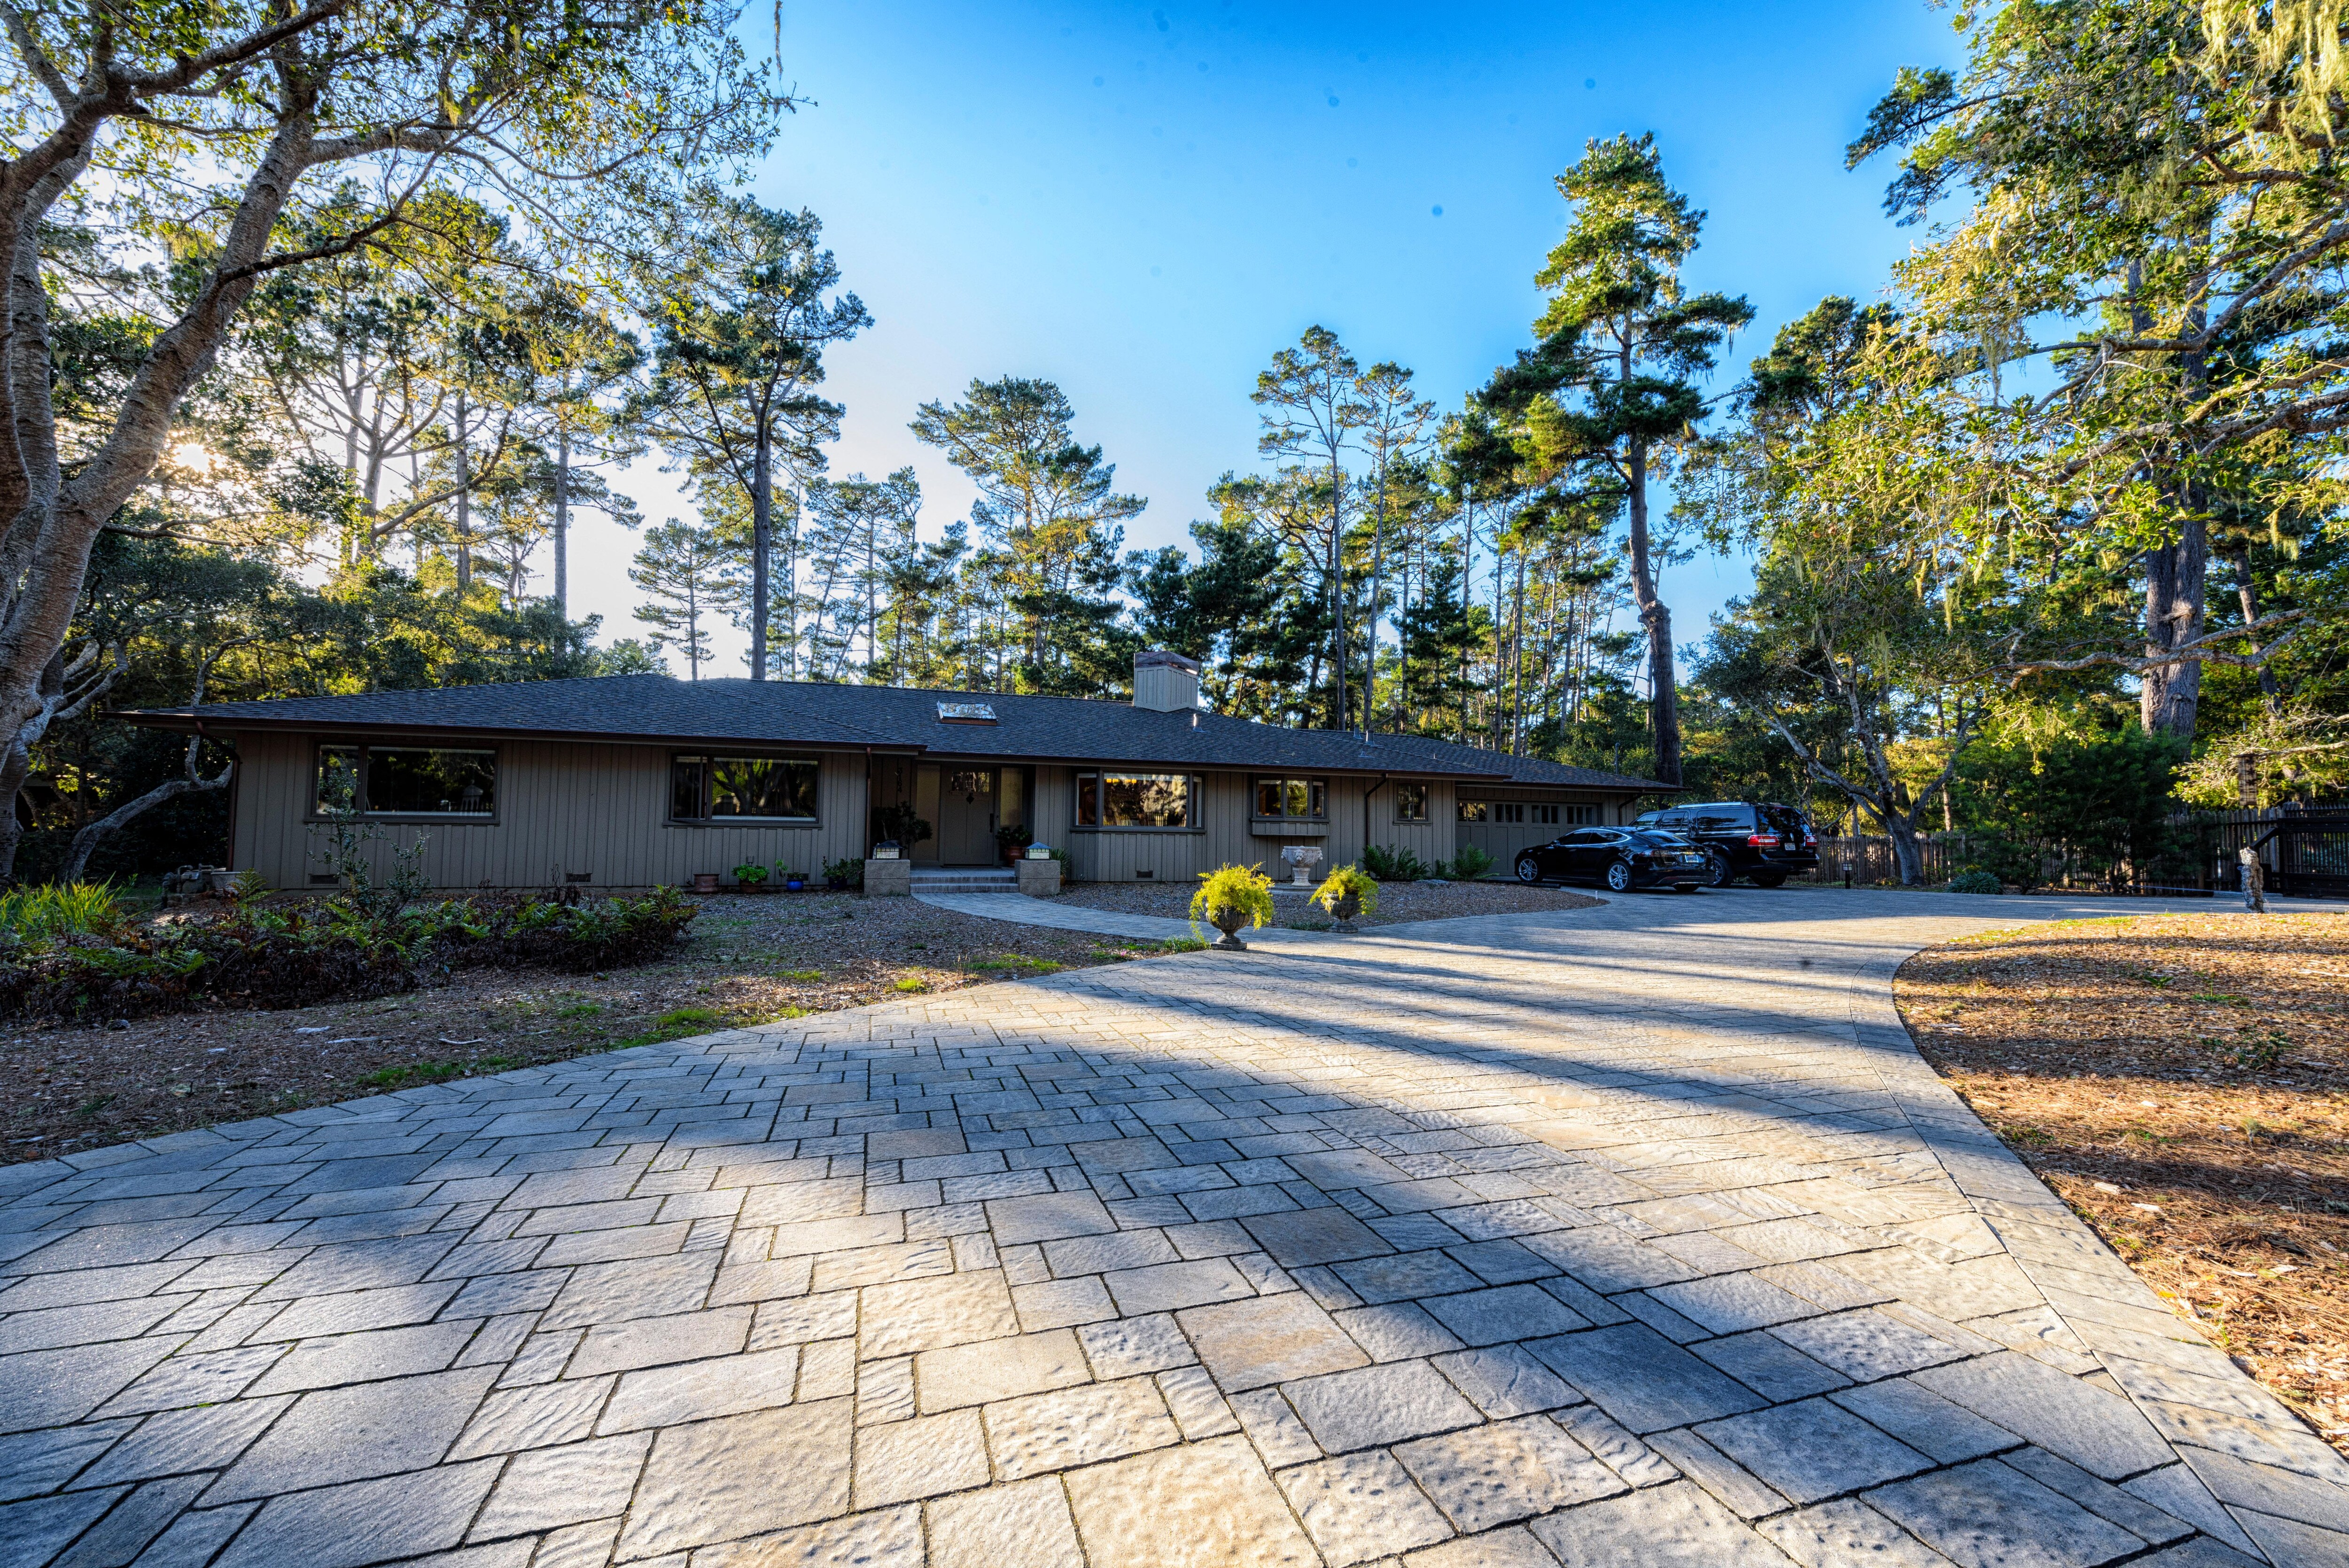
pixel 681 568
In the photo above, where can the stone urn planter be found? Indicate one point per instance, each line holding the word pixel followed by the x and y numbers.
pixel 1230 922
pixel 1342 913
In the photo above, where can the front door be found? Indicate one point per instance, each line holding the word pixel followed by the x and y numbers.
pixel 967 808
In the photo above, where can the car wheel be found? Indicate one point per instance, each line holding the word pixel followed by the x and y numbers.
pixel 1618 877
pixel 1769 878
pixel 1718 872
pixel 1528 869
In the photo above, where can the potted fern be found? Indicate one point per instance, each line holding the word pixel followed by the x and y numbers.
pixel 1230 899
pixel 1348 892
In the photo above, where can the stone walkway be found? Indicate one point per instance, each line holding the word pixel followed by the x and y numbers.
pixel 1628 1235
pixel 1018 908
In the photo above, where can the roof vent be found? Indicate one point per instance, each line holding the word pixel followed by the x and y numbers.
pixel 966 713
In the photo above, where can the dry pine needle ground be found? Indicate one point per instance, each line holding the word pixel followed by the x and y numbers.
pixel 2182 1083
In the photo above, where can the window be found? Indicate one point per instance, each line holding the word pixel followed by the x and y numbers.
pixel 407 781
pixel 1411 802
pixel 1581 813
pixel 1135 799
pixel 742 789
pixel 1301 797
pixel 1545 814
pixel 1475 810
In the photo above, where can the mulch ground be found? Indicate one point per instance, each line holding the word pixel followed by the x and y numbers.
pixel 747 960
pixel 1398 901
pixel 2183 1083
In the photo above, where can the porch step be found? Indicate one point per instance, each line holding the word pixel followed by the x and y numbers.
pixel 966 879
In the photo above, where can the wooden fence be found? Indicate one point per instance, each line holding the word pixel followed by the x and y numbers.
pixel 2309 857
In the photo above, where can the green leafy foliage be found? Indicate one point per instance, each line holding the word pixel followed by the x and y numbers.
pixel 1242 892
pixel 1471 863
pixel 1395 865
pixel 1976 881
pixel 334 949
pixel 1348 880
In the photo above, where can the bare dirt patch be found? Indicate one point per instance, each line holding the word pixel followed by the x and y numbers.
pixel 1398 901
pixel 745 960
pixel 2182 1082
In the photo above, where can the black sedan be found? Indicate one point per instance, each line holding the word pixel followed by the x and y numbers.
pixel 1621 858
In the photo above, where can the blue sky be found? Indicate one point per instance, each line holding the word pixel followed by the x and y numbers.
pixel 1143 201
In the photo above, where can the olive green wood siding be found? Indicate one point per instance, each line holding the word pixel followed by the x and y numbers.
pixel 566 807
pixel 1226 836
pixel 562 808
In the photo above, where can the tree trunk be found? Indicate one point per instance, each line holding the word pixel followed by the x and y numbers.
pixel 78 854
pixel 562 524
pixel 762 503
pixel 16 766
pixel 464 505
pixel 1664 704
pixel 2175 576
pixel 2269 696
pixel 1908 855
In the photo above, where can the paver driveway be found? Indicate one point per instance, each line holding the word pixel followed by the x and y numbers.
pixel 1632 1235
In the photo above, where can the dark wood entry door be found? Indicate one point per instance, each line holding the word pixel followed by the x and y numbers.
pixel 967 808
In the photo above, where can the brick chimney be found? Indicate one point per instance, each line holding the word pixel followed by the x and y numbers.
pixel 1164 682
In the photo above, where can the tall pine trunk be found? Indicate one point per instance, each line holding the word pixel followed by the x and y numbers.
pixel 562 524
pixel 1665 702
pixel 763 503
pixel 2174 585
pixel 464 504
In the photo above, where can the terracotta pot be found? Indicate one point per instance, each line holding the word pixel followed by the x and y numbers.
pixel 1229 921
pixel 705 881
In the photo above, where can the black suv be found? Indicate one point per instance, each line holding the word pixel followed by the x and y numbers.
pixel 1623 858
pixel 1764 843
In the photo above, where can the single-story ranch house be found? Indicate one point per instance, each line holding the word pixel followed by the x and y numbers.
pixel 633 780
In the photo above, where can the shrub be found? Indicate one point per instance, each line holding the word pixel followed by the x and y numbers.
pixel 1395 865
pixel 849 872
pixel 1243 888
pixel 1346 880
pixel 1976 881
pixel 338 949
pixel 1471 863
pixel 749 873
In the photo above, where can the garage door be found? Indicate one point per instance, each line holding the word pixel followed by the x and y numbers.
pixel 1502 827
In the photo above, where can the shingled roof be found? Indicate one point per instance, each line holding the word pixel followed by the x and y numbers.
pixel 663 709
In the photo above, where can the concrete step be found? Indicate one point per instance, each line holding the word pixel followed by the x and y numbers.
pixel 966 879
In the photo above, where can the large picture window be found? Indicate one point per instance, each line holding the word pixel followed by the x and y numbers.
pixel 407 781
pixel 1136 800
pixel 1297 800
pixel 711 788
pixel 1411 802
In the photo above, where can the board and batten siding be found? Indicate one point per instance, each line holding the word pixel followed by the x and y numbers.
pixel 1225 835
pixel 563 808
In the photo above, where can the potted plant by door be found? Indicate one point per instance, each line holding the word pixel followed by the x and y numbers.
pixel 1349 891
pixel 1230 899
pixel 749 875
pixel 1011 841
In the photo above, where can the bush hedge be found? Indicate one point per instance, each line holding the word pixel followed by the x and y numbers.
pixel 303 953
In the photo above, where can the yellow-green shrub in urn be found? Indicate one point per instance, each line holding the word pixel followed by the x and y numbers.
pixel 1232 899
pixel 1349 891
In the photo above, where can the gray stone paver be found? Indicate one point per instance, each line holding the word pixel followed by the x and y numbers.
pixel 1622 1235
